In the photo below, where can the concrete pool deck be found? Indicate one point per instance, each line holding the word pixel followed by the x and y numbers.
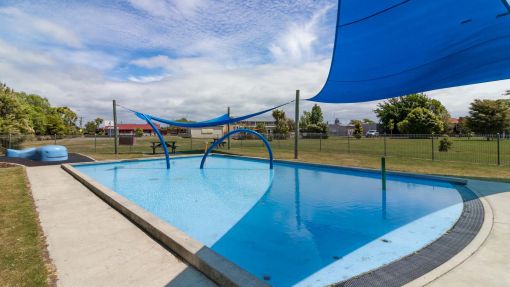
pixel 91 243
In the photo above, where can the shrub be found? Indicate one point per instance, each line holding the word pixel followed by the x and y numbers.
pixel 445 144
pixel 138 132
pixel 358 130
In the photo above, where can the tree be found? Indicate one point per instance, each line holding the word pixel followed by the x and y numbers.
pixel 138 132
pixel 28 114
pixel 261 128
pixel 14 113
pixel 98 122
pixel 281 125
pixel 368 121
pixel 90 128
pixel 421 121
pixel 358 130
pixel 489 116
pixel 396 110
pixel 313 121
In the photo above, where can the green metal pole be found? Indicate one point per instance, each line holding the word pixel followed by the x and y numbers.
pixel 383 172
pixel 296 126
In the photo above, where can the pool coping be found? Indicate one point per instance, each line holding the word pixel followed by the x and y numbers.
pixel 226 273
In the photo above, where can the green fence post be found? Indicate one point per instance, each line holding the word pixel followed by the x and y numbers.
pixel 95 142
pixel 191 142
pixel 9 145
pixel 499 150
pixel 55 137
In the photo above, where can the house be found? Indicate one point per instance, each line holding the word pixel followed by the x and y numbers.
pixel 252 124
pixel 129 129
pixel 345 130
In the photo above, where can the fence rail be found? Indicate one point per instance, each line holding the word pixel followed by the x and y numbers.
pixel 480 149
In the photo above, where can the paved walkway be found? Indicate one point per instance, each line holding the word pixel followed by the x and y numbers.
pixel 91 244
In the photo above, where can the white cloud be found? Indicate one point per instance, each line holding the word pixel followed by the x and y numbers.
pixel 165 8
pixel 296 45
pixel 43 29
pixel 22 57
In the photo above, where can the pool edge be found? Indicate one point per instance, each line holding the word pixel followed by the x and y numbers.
pixel 213 265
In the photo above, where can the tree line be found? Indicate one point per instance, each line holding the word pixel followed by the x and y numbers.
pixel 419 114
pixel 22 113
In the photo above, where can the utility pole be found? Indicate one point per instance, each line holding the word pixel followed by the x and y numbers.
pixel 115 131
pixel 228 128
pixel 296 126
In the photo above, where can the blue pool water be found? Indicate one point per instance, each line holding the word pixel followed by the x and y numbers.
pixel 294 225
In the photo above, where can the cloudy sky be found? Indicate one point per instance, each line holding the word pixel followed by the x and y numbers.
pixel 181 58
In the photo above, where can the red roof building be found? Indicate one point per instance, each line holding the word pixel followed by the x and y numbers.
pixel 129 129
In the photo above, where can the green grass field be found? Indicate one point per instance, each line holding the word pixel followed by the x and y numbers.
pixel 474 157
pixel 21 244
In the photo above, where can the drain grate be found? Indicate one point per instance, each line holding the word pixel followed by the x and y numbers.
pixel 407 269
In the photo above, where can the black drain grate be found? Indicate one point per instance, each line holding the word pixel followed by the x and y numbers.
pixel 407 269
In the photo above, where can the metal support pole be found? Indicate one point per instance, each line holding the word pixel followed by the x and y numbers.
pixel 95 142
pixel 296 126
pixel 383 172
pixel 115 131
pixel 55 138
pixel 499 150
pixel 10 145
pixel 228 129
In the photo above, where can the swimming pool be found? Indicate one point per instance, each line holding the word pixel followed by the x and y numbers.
pixel 298 224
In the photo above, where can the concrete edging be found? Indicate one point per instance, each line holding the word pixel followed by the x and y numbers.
pixel 213 265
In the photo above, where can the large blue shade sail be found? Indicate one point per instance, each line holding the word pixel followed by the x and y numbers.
pixel 390 48
pixel 221 120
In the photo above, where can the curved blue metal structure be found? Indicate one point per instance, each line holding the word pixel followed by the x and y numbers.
pixel 160 136
pixel 266 143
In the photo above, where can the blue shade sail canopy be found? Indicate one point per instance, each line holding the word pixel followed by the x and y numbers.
pixel 390 48
pixel 221 120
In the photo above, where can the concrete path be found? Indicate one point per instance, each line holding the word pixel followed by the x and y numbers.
pixel 91 244
pixel 487 263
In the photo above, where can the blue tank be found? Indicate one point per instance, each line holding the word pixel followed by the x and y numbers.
pixel 43 153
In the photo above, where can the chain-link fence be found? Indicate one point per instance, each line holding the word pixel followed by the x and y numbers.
pixel 481 149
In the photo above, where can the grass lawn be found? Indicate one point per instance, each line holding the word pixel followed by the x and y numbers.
pixel 21 245
pixel 473 157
